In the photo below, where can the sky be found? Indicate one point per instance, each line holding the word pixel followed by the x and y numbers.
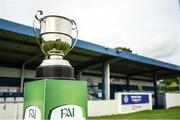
pixel 149 27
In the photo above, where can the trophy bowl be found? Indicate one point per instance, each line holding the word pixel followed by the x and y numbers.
pixel 56 34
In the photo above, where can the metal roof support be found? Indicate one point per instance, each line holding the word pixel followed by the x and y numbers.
pixel 94 62
pixel 103 81
pixel 79 76
pixel 106 80
pixel 22 78
pixel 179 83
pixel 117 75
pixel 23 71
pixel 147 71
pixel 127 83
pixel 19 42
pixel 155 90
pixel 14 52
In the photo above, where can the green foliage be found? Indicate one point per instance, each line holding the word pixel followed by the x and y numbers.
pixel 169 81
pixel 169 85
pixel 123 49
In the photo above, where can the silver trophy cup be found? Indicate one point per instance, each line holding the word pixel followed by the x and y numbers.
pixel 55 40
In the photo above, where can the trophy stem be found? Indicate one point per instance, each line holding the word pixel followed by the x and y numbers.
pixel 55 56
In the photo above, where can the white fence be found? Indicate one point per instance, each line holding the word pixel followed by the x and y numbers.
pixel 172 99
pixel 117 106
pixel 11 108
pixel 102 107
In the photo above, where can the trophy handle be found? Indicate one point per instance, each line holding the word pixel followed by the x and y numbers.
pixel 35 28
pixel 76 29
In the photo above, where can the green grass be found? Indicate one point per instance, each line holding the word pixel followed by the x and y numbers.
pixel 172 113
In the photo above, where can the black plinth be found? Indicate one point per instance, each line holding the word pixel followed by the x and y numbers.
pixel 55 72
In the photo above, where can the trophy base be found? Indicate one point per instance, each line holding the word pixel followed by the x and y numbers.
pixel 55 72
pixel 55 68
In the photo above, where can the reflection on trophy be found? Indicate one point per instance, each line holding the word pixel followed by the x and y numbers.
pixel 55 40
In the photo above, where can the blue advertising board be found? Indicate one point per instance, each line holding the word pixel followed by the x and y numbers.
pixel 134 99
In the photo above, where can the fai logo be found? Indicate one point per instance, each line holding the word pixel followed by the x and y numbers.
pixel 67 112
pixel 126 99
pixel 32 113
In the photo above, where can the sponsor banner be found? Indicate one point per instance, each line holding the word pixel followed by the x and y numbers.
pixel 133 107
pixel 134 99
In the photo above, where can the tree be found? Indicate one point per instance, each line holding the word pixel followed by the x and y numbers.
pixel 124 49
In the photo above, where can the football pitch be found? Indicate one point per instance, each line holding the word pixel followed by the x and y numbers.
pixel 168 114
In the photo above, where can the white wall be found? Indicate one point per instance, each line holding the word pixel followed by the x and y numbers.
pixel 14 110
pixel 9 89
pixel 102 107
pixel 11 108
pixel 16 72
pixel 110 107
pixel 96 80
pixel 172 99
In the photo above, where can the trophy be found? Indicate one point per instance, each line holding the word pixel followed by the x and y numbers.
pixel 56 96
pixel 55 40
